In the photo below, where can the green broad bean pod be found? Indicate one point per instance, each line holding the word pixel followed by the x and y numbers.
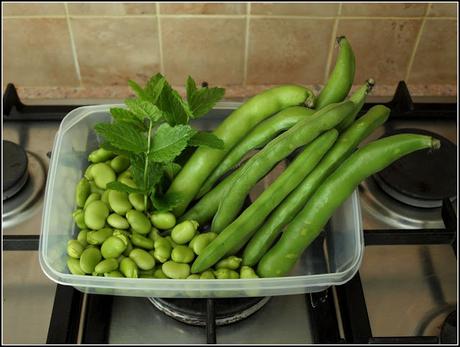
pixel 341 78
pixel 229 241
pixel 257 138
pixel 308 223
pixel 296 200
pixel 261 163
pixel 236 126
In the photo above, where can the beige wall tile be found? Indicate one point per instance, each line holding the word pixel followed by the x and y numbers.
pixel 436 58
pixel 443 10
pixel 382 47
pixel 384 10
pixel 208 49
pixel 50 9
pixel 112 50
pixel 288 50
pixel 37 52
pixel 295 9
pixel 202 8
pixel 111 9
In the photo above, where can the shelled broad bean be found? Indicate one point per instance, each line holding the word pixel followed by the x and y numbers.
pixel 119 236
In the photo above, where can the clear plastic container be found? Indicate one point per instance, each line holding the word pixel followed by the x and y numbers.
pixel 332 259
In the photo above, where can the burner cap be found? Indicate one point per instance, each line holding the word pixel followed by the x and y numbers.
pixel 14 168
pixel 193 311
pixel 422 178
pixel 449 329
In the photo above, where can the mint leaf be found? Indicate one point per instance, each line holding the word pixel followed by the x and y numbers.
pixel 202 100
pixel 208 139
pixel 171 169
pixel 123 136
pixel 190 88
pixel 137 169
pixel 144 109
pixel 116 150
pixel 137 89
pixel 169 142
pixel 154 88
pixel 175 110
pixel 165 202
pixel 126 116
pixel 151 177
pixel 115 185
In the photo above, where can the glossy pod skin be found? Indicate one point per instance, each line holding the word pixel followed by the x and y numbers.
pixel 237 233
pixel 206 207
pixel 257 138
pixel 341 78
pixel 308 223
pixel 236 126
pixel 261 163
pixel 296 200
pixel 359 97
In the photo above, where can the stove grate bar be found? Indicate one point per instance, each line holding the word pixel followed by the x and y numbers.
pixel 380 237
pixel 20 242
pixel 97 319
pixel 65 317
pixel 210 321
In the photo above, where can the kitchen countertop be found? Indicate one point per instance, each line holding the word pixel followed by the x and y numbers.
pixel 236 93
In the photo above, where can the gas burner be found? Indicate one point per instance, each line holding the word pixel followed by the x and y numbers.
pixel 21 205
pixel 15 172
pixel 449 329
pixel 423 178
pixel 193 311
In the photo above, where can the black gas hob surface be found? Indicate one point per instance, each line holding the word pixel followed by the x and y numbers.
pixel 349 304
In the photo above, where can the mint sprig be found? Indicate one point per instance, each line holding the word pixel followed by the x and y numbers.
pixel 153 130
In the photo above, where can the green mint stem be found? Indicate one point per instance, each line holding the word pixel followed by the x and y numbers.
pixel 147 161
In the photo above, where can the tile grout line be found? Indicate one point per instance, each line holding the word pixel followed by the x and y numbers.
pixel 160 41
pixel 417 41
pixel 246 45
pixel 332 44
pixel 72 45
pixel 228 16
